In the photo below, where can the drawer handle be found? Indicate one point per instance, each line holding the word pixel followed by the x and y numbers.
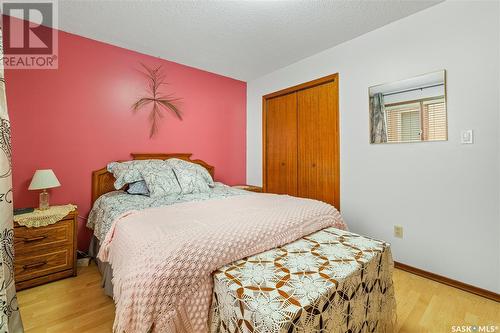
pixel 35 264
pixel 34 239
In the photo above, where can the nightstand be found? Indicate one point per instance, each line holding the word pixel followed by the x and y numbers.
pixel 250 188
pixel 45 254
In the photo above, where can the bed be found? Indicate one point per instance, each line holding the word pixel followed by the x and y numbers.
pixel 229 260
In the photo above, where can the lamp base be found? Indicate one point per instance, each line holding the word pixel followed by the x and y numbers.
pixel 44 200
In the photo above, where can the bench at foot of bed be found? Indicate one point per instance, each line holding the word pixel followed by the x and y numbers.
pixel 329 281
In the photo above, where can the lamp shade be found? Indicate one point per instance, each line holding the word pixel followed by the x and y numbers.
pixel 43 179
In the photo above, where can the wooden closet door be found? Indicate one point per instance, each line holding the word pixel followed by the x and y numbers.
pixel 318 143
pixel 281 144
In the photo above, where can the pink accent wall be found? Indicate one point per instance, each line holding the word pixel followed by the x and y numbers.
pixel 78 118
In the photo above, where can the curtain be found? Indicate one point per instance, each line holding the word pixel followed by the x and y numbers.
pixel 378 131
pixel 10 319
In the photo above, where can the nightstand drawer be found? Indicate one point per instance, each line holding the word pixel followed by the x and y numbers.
pixel 40 264
pixel 39 239
pixel 45 254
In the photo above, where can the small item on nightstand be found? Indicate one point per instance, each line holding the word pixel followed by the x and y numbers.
pixel 250 188
pixel 42 180
pixel 19 211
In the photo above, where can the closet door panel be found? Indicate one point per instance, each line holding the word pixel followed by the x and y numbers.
pixel 281 144
pixel 318 141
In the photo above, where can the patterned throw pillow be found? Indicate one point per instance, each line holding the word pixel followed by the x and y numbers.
pixel 130 171
pixel 193 178
pixel 139 187
pixel 160 180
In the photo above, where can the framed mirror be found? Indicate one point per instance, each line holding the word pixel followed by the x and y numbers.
pixel 411 110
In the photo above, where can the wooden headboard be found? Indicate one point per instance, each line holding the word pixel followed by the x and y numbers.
pixel 103 181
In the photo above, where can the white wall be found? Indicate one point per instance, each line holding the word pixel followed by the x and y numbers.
pixel 446 195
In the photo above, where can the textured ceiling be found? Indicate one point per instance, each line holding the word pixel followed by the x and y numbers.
pixel 239 39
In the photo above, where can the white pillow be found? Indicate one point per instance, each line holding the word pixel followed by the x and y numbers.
pixel 130 171
pixel 160 180
pixel 192 177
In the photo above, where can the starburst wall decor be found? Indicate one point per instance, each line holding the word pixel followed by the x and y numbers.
pixel 159 101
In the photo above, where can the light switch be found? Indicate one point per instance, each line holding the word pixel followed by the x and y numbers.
pixel 467 136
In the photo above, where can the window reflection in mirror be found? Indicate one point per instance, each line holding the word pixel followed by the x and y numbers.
pixel 411 110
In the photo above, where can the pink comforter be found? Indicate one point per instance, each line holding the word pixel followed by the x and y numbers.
pixel 162 258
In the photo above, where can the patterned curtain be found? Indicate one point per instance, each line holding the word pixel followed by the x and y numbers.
pixel 378 132
pixel 10 319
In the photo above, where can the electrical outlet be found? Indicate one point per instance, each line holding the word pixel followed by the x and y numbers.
pixel 398 231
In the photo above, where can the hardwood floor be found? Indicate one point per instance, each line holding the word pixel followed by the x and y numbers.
pixel 75 304
pixel 79 305
pixel 427 306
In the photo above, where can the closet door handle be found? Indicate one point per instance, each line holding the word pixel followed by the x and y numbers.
pixel 314 165
pixel 282 163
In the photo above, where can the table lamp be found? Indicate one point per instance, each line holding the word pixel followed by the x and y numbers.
pixel 42 180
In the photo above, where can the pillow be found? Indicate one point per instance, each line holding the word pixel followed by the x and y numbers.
pixel 181 165
pixel 139 187
pixel 160 180
pixel 130 171
pixel 193 178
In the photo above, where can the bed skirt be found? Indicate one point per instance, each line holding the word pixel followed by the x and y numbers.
pixel 104 268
